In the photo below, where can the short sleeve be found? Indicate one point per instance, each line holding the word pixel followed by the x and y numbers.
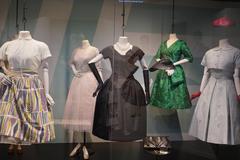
pixel 204 61
pixel 45 52
pixel 3 49
pixel 158 54
pixel 140 54
pixel 237 60
pixel 106 52
pixel 186 52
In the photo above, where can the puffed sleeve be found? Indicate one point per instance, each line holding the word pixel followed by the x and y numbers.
pixel 3 50
pixel 45 52
pixel 140 54
pixel 106 52
pixel 186 52
pixel 158 54
pixel 237 59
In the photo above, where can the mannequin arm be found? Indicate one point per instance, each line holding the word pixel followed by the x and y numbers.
pixel 74 69
pixel 203 84
pixel 182 61
pixel 46 83
pixel 146 79
pixel 2 65
pixel 143 64
pixel 236 80
pixel 45 77
pixel 171 71
pixel 96 59
pixel 204 79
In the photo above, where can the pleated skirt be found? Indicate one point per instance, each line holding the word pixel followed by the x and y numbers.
pixel 217 115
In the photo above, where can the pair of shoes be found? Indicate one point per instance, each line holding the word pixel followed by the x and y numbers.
pixel 85 153
pixel 19 150
pixel 75 151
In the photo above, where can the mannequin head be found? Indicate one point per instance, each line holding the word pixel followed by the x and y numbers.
pixel 85 43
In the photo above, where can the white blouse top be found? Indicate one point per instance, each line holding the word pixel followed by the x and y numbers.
pixel 24 53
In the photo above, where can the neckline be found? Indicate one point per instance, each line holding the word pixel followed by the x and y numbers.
pixel 171 44
pixel 126 51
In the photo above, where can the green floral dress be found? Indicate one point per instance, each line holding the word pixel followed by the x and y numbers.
pixel 170 92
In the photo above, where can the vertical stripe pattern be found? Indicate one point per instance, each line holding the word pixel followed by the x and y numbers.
pixel 24 113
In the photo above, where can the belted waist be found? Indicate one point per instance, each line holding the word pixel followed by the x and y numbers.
pixel 221 74
pixel 80 73
pixel 22 72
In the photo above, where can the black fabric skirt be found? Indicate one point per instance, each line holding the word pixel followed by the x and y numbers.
pixel 120 113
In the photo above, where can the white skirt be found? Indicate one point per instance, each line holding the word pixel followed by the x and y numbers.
pixel 217 115
pixel 80 104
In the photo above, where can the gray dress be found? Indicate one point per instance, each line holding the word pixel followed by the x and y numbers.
pixel 217 115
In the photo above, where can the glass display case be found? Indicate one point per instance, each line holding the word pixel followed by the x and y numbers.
pixel 134 112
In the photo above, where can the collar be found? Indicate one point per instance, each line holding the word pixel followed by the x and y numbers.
pixel 227 48
pixel 25 38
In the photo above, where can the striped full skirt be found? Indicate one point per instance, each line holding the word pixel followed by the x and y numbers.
pixel 25 116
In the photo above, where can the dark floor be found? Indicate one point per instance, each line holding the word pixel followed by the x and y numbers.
pixel 190 150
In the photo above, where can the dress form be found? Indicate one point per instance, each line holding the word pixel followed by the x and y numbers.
pixel 122 46
pixel 78 65
pixel 26 56
pixel 172 39
pixel 224 43
pixel 85 44
pixel 24 35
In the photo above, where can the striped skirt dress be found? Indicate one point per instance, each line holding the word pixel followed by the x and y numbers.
pixel 25 116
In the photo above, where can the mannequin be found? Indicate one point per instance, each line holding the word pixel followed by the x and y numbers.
pixel 35 57
pixel 127 128
pixel 216 116
pixel 80 105
pixel 170 83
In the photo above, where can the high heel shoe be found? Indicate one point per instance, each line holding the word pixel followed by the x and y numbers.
pixel 75 150
pixel 11 149
pixel 19 150
pixel 85 153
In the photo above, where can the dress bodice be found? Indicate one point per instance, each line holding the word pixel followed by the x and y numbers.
pixel 81 57
pixel 123 65
pixel 174 52
pixel 24 54
pixel 222 58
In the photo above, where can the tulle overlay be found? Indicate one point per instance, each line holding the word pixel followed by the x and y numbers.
pixel 80 104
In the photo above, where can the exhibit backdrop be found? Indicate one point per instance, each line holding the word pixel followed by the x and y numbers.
pixel 63 24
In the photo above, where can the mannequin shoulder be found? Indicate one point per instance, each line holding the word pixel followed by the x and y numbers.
pixel 107 49
pixel 137 49
pixel 5 44
pixel 94 49
pixel 40 44
pixel 12 43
